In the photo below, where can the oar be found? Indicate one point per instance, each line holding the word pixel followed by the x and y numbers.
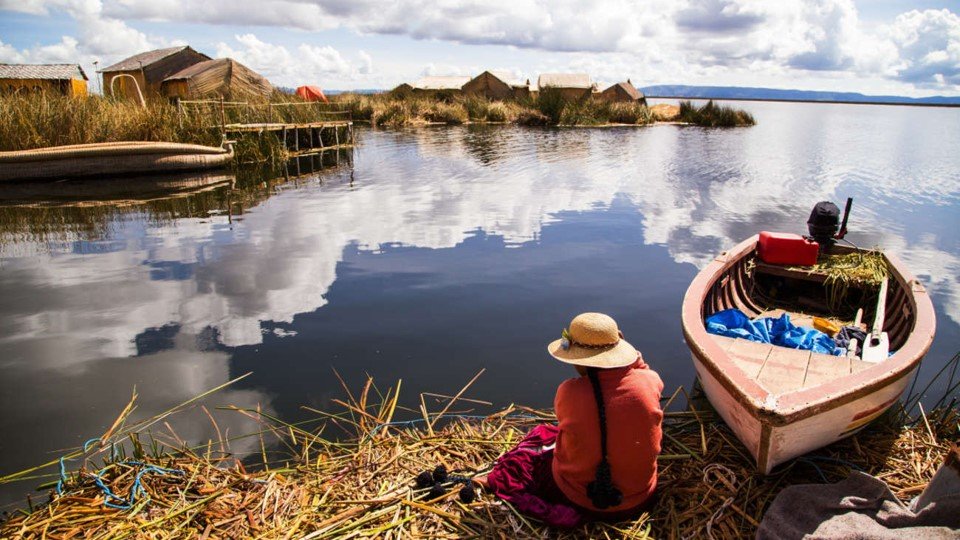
pixel 878 344
pixel 852 346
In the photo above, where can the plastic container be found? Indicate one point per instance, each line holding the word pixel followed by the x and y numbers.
pixel 787 249
pixel 826 326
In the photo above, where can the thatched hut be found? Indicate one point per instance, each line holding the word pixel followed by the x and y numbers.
pixel 497 85
pixel 572 86
pixel 445 86
pixel 623 92
pixel 65 79
pixel 402 90
pixel 149 69
pixel 223 77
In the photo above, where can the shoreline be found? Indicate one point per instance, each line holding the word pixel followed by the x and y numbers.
pixel 826 101
pixel 364 483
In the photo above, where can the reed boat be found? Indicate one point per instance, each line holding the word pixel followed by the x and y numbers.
pixel 111 190
pixel 114 158
pixel 781 402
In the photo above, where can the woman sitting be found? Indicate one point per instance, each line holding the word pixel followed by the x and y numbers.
pixel 600 461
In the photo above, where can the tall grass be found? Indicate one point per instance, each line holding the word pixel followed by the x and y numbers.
pixel 549 108
pixel 713 115
pixel 551 103
pixel 37 120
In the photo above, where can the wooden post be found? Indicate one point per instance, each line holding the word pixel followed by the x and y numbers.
pixel 285 147
pixel 180 113
pixel 296 139
pixel 223 119
pixel 336 137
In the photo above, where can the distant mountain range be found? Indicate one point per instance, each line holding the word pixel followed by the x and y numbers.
pixel 740 92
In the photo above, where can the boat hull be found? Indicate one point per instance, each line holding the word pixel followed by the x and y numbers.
pixel 771 445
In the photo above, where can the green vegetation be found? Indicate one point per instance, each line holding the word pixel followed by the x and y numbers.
pixel 549 108
pixel 713 115
pixel 858 271
pixel 37 120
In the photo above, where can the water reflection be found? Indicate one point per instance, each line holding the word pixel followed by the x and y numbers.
pixel 433 252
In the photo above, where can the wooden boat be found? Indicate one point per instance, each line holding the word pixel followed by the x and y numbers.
pixel 781 402
pixel 116 158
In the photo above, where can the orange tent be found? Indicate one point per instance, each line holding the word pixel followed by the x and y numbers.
pixel 312 93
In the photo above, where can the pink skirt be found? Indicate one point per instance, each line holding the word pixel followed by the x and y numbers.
pixel 524 478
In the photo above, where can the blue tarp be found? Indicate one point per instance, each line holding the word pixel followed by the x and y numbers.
pixel 777 331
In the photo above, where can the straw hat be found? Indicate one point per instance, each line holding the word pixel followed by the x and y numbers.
pixel 593 341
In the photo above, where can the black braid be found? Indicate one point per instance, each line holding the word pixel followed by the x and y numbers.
pixel 601 491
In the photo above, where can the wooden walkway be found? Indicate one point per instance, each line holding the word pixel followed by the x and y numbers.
pixel 302 138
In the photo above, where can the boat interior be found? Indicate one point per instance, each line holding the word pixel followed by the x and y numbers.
pixel 759 290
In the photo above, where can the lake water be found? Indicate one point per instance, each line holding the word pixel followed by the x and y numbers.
pixel 433 253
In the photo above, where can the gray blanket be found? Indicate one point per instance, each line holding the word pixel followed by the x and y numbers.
pixel 862 507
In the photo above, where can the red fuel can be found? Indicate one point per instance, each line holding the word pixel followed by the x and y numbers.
pixel 787 249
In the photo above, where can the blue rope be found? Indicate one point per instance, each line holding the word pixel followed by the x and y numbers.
pixel 63 467
pixel 811 460
pixel 109 496
pixel 135 490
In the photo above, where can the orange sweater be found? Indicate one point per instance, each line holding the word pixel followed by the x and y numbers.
pixel 631 396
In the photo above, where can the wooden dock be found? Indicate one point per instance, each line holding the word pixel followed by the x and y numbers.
pixel 302 138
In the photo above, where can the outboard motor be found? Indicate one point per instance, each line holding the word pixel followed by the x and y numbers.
pixel 824 223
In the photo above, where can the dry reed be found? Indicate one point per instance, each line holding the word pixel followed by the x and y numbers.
pixel 363 485
pixel 30 121
pixel 549 108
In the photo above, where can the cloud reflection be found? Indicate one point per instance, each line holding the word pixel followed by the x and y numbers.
pixel 77 310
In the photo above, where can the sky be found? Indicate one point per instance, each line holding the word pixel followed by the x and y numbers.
pixel 879 47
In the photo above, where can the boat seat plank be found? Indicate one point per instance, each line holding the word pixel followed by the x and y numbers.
pixel 824 368
pixel 789 272
pixel 784 370
pixel 747 355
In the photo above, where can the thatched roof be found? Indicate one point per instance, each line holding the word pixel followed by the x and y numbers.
pixel 508 78
pixel 144 59
pixel 564 80
pixel 628 88
pixel 224 76
pixel 454 82
pixel 42 71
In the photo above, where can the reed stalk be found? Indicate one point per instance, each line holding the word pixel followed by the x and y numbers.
pixel 362 484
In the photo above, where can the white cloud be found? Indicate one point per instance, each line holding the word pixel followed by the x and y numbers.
pixel 366 63
pixel 64 52
pixel 929 47
pixel 700 40
pixel 309 62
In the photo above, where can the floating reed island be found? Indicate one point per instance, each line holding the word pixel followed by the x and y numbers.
pixel 39 120
pixel 548 108
pixel 361 482
pixel 31 121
